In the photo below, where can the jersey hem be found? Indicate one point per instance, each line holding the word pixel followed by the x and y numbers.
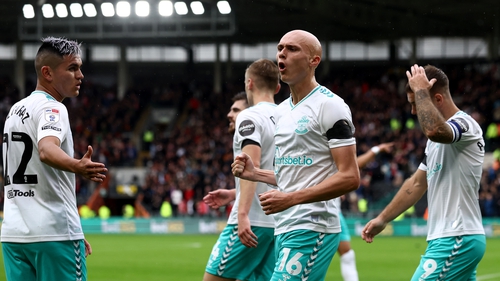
pixel 461 233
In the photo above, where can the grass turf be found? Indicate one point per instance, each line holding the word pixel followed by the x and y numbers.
pixel 183 258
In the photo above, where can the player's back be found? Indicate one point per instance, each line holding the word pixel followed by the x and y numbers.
pixel 40 202
pixel 256 124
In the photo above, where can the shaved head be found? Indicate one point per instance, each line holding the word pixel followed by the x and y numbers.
pixel 308 40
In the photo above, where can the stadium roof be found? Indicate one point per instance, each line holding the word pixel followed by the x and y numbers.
pixel 259 21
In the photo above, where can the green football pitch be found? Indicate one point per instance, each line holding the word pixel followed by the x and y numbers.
pixel 183 258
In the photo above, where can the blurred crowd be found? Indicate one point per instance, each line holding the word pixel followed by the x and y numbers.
pixel 192 156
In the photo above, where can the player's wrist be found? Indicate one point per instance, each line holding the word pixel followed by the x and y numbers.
pixel 375 150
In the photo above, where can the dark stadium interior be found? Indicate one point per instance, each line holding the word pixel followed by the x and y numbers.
pixel 193 153
pixel 361 20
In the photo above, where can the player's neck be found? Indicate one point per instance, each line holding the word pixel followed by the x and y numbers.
pixel 301 90
pixel 49 90
pixel 449 111
pixel 263 97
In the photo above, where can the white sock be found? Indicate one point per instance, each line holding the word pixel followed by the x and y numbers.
pixel 348 266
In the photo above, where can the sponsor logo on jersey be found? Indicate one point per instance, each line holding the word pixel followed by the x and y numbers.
pixel 52 115
pixel 50 127
pixel 18 193
pixel 303 160
pixel 302 126
pixel 436 169
pixel 246 128
pixel 280 161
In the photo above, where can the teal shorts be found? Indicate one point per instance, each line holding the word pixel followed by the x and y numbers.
pixel 304 255
pixel 45 261
pixel 451 258
pixel 344 234
pixel 231 259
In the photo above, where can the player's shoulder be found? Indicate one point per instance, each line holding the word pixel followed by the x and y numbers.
pixel 327 95
pixel 261 110
pixel 465 122
pixel 42 98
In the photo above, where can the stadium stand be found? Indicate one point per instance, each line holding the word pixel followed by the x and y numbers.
pixel 191 155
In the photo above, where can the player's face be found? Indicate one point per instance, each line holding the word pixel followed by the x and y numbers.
pixel 411 99
pixel 293 58
pixel 236 108
pixel 67 77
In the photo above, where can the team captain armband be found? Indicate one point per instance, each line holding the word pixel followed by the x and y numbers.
pixel 458 126
pixel 341 130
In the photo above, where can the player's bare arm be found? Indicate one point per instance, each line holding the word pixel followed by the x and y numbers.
pixel 368 156
pixel 247 191
pixel 52 155
pixel 410 192
pixel 243 168
pixel 430 119
pixel 219 197
pixel 88 248
pixel 344 181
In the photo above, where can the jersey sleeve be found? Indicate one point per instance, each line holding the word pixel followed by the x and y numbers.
pixel 464 128
pixel 336 123
pixel 53 121
pixel 247 129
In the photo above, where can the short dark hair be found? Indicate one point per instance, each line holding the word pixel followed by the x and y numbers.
pixel 240 96
pixel 442 84
pixel 58 47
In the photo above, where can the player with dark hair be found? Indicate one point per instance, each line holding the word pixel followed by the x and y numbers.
pixel 42 237
pixel 450 174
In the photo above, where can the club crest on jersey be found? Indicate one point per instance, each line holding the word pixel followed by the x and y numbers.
pixel 302 125
pixel 246 128
pixel 52 115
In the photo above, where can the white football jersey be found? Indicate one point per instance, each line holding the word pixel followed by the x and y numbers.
pixel 453 174
pixel 40 201
pixel 256 124
pixel 303 159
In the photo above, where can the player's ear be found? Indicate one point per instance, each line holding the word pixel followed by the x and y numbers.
pixel 46 72
pixel 249 84
pixel 315 60
pixel 278 87
pixel 438 98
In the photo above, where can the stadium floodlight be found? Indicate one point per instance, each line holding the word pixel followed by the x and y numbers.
pixel 76 10
pixel 47 11
pixel 28 11
pixel 224 7
pixel 165 8
pixel 61 10
pixel 142 8
pixel 90 10
pixel 181 8
pixel 197 8
pixel 123 9
pixel 107 9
